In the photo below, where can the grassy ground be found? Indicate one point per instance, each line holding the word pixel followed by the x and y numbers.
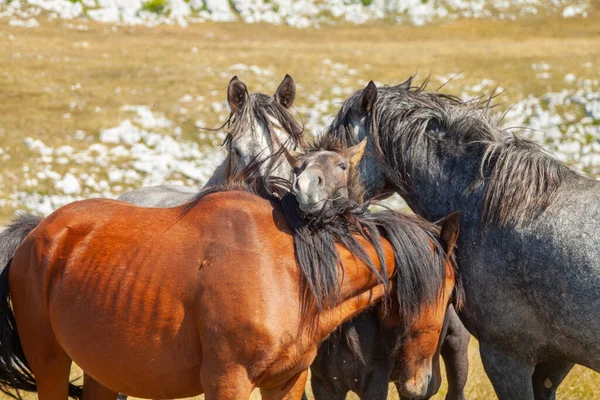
pixel 581 384
pixel 55 81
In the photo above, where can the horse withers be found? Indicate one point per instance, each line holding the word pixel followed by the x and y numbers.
pixel 218 296
pixel 372 349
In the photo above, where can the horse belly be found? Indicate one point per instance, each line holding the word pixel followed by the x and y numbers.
pixel 136 339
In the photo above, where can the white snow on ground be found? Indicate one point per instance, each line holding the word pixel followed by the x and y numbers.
pixel 298 13
pixel 567 123
pixel 132 154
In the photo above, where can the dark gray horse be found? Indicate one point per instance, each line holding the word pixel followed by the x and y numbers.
pixel 362 355
pixel 257 128
pixel 529 249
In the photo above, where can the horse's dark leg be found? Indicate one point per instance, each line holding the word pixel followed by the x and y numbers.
pixel 377 388
pixel 510 376
pixel 547 376
pixel 92 390
pixel 322 392
pixel 455 352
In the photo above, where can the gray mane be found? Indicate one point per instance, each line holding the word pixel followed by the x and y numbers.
pixel 520 179
pixel 263 108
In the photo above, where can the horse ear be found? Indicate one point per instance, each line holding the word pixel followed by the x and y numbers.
pixel 286 92
pixel 449 231
pixel 237 95
pixel 354 154
pixel 406 84
pixel 369 95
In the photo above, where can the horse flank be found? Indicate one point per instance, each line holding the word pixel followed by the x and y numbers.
pixel 519 179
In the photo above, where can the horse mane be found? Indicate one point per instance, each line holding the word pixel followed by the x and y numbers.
pixel 264 109
pixel 419 255
pixel 519 179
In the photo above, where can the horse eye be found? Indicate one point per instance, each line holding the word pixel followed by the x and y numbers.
pixel 235 151
pixel 343 166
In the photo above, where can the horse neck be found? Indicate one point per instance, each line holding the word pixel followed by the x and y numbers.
pixel 435 190
pixel 438 191
pixel 359 289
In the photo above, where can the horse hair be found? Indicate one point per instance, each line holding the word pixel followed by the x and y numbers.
pixel 520 179
pixel 419 255
pixel 264 109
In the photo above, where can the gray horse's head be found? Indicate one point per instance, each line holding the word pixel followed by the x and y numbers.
pixel 260 125
pixel 351 125
pixel 440 152
pixel 326 173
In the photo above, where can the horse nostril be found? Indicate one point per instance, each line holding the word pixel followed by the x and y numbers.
pixel 319 181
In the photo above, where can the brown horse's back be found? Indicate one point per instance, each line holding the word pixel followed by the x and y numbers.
pixel 150 302
pixel 121 287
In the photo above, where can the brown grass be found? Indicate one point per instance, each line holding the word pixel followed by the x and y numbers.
pixel 156 66
pixel 139 65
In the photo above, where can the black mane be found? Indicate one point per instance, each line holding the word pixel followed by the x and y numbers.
pixel 519 179
pixel 419 255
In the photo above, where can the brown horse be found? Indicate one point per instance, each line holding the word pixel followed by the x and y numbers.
pixel 218 296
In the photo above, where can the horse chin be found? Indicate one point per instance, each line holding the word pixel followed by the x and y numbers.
pixel 311 208
pixel 421 385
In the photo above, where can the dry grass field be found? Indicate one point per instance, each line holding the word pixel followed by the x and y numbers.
pixel 55 80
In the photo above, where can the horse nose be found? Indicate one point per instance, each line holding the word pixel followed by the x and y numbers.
pixel 417 388
pixel 309 180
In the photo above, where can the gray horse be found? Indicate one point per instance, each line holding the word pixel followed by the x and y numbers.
pixel 258 126
pixel 529 249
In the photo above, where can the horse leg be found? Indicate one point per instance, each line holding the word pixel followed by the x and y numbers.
pixel 455 352
pixel 510 376
pixel 92 390
pixel 49 363
pixel 229 384
pixel 547 376
pixel 323 392
pixel 52 376
pixel 377 388
pixel 293 390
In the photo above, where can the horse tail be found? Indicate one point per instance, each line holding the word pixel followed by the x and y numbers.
pixel 15 373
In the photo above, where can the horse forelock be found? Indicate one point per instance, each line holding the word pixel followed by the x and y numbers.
pixel 519 179
pixel 264 110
